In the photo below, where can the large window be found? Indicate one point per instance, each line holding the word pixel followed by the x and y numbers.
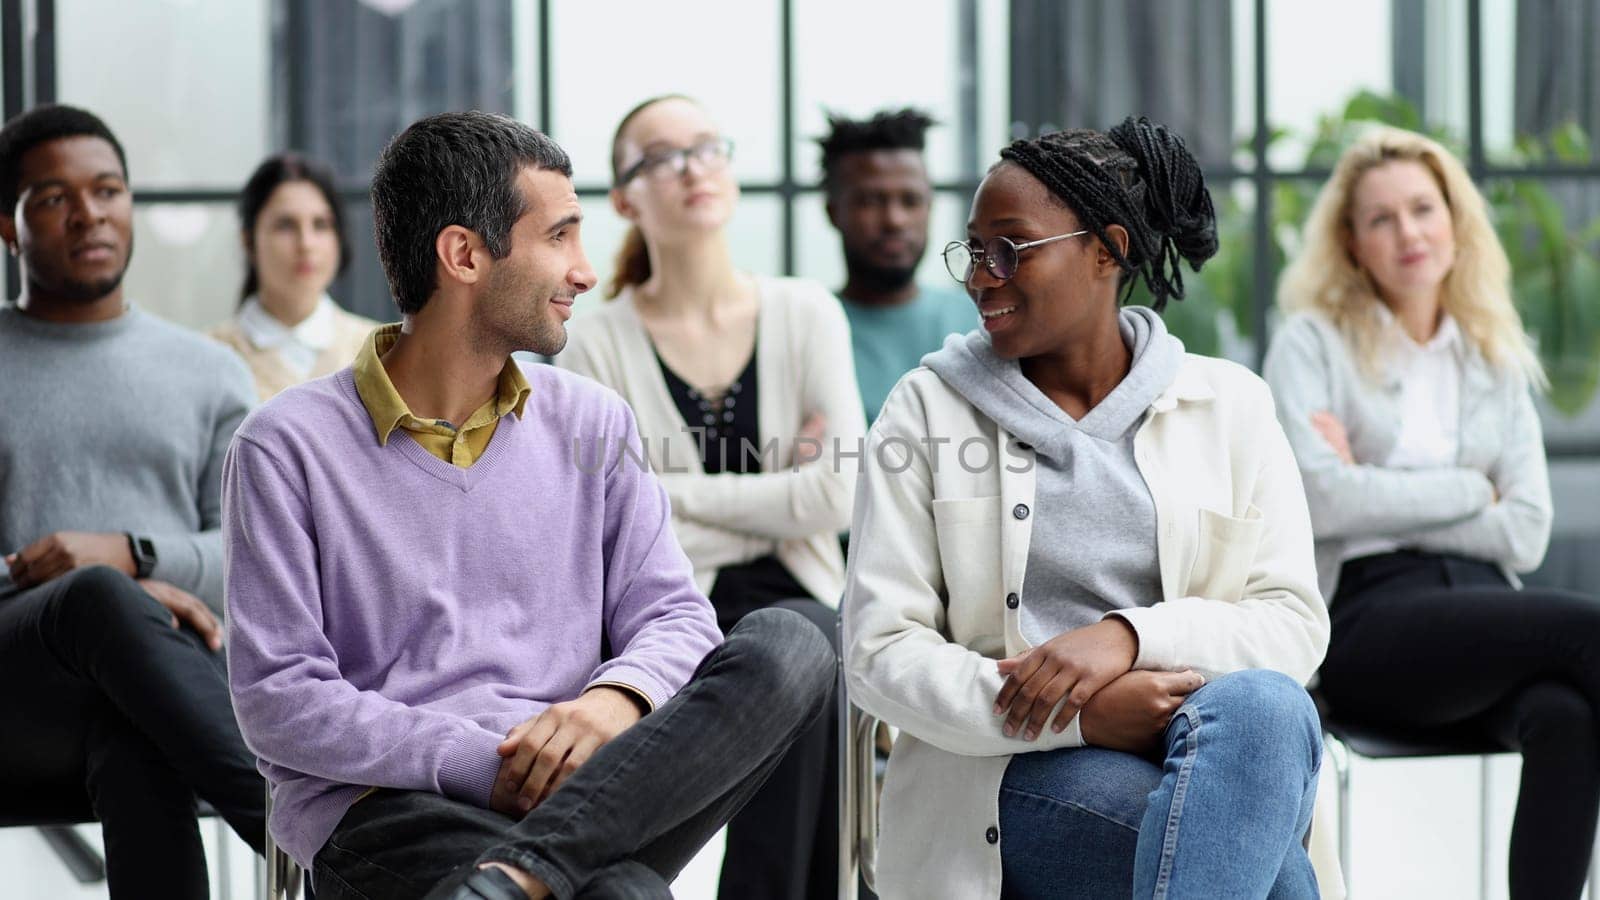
pixel 206 90
pixel 1262 89
pixel 184 85
pixel 1267 91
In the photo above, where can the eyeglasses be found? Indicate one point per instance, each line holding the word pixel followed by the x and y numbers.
pixel 999 255
pixel 660 165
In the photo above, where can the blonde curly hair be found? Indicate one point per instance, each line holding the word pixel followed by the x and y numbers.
pixel 1324 277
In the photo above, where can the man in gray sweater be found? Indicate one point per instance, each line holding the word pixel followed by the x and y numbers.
pixel 113 700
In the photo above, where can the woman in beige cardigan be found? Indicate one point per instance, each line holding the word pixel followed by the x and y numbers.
pixel 287 328
pixel 1081 578
pixel 745 394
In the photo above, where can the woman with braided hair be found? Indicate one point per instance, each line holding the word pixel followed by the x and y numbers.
pixel 1082 581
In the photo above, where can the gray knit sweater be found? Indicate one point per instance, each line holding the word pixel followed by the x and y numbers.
pixel 118 426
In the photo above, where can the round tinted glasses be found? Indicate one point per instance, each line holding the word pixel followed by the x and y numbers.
pixel 1000 255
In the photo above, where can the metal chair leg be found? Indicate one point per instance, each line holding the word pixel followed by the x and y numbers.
pixel 1485 827
pixel 1339 754
pixel 86 865
pixel 858 793
pixel 1594 873
pixel 282 875
pixel 866 807
pixel 266 882
pixel 224 860
pixel 847 790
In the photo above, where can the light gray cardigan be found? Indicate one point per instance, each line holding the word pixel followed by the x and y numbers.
pixel 1310 367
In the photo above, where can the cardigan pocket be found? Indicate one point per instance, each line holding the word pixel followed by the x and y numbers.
pixel 1225 549
pixel 969 549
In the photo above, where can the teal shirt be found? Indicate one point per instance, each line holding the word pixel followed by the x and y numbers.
pixel 888 342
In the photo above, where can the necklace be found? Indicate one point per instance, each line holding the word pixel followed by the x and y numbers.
pixel 716 412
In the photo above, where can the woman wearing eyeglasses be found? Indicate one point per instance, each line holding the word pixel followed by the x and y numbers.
pixel 1081 580
pixel 742 385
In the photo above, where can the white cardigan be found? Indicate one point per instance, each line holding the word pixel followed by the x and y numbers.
pixel 803 365
pixel 936 548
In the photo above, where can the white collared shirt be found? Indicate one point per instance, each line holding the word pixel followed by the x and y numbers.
pixel 1429 404
pixel 298 346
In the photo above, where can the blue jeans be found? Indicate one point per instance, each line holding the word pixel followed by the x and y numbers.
pixel 1223 815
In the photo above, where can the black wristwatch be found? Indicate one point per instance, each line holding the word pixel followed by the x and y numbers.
pixel 144 555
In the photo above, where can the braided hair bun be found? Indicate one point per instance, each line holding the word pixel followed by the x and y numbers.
pixel 1140 176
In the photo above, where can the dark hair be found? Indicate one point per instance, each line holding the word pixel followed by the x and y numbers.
pixel 1138 175
pixel 632 265
pixel 903 129
pixel 40 125
pixel 275 171
pixel 456 168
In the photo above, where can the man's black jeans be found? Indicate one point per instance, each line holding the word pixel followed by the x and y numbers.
pixel 630 818
pixel 108 712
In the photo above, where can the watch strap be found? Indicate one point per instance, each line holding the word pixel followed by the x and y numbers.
pixel 143 551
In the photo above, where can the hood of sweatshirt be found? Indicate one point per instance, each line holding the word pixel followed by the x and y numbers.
pixel 999 390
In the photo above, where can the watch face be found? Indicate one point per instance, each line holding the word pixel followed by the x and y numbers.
pixel 144 556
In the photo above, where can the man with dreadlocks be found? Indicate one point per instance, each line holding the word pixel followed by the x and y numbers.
pixel 879 195
pixel 1082 581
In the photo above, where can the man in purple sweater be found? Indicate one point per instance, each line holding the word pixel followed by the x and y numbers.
pixel 464 643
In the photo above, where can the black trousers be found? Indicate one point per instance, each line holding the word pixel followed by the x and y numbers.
pixel 108 712
pixel 784 844
pixel 632 816
pixel 1428 641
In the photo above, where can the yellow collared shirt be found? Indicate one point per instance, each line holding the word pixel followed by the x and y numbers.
pixel 460 446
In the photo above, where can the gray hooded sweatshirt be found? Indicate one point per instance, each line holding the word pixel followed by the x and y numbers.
pixel 1093 547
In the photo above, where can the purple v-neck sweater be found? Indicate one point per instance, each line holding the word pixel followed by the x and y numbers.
pixel 391 616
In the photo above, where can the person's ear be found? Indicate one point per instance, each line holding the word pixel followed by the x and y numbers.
pixel 1349 240
pixel 832 206
pixel 461 254
pixel 8 233
pixel 1105 261
pixel 622 207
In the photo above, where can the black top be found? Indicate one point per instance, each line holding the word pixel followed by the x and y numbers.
pixel 731 443
pixel 724 426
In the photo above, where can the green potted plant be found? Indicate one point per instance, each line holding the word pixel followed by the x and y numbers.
pixel 1555 270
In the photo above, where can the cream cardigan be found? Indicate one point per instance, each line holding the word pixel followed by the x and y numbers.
pixel 267 366
pixel 803 365
pixel 936 547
